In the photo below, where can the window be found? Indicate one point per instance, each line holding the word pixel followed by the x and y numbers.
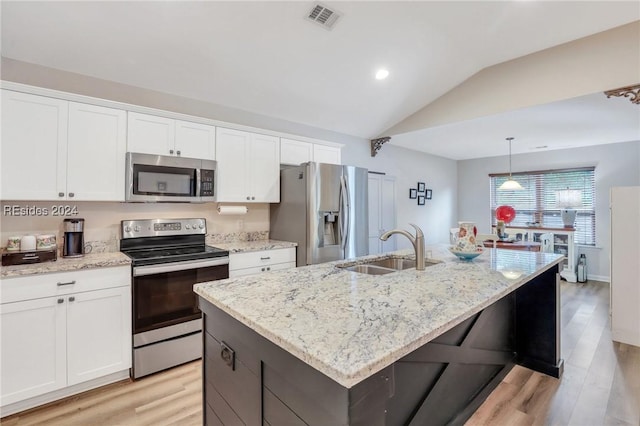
pixel 537 202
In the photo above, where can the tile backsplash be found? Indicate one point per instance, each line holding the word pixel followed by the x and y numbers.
pixel 102 220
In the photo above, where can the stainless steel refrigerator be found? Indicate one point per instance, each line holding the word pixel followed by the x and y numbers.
pixel 323 208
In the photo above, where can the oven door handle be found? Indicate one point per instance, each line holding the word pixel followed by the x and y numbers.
pixel 139 271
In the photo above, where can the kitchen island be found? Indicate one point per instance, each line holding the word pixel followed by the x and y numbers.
pixel 324 345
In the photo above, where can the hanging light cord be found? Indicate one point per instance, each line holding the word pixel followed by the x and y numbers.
pixel 510 139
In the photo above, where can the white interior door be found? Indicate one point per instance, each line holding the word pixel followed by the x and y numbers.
pixel 382 212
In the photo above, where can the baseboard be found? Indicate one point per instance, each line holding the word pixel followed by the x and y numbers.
pixel 36 401
pixel 627 337
pixel 602 278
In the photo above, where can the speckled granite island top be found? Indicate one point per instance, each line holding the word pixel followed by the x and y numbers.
pixel 258 245
pixel 350 325
pixel 88 261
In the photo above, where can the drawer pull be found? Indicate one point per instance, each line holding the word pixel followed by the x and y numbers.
pixel 72 299
pixel 60 300
pixel 67 283
pixel 265 258
pixel 228 355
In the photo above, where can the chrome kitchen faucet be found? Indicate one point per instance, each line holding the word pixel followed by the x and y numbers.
pixel 417 241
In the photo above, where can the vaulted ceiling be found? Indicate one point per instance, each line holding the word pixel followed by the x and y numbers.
pixel 264 57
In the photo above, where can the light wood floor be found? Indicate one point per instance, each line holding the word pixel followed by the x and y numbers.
pixel 600 386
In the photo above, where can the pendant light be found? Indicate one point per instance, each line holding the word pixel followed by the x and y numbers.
pixel 510 184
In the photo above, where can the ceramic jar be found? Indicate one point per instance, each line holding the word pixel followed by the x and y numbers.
pixel 466 237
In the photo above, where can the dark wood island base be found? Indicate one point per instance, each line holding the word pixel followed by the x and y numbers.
pixel 250 380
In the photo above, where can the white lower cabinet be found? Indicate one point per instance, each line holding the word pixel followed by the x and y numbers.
pixel 98 334
pixel 33 348
pixel 257 262
pixel 74 327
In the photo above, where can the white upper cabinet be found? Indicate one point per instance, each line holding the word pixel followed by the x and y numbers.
pixel 96 133
pixel 295 152
pixel 326 154
pixel 248 166
pixel 58 150
pixel 150 134
pixel 34 147
pixel 195 140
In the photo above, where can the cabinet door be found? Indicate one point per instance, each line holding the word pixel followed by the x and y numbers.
pixel 375 223
pixel 149 134
pixel 232 169
pixel 98 333
pixel 326 154
pixel 195 140
pixel 33 348
pixel 295 152
pixel 264 166
pixel 96 153
pixel 34 147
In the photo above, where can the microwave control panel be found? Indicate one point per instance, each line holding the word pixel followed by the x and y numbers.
pixel 206 183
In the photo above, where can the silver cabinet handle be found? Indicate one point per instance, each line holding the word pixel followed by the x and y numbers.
pixel 71 299
pixel 265 258
pixel 60 300
pixel 71 194
pixel 67 283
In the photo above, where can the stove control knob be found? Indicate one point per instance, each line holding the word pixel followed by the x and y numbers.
pixel 136 228
pixel 127 229
pixel 201 226
pixel 187 226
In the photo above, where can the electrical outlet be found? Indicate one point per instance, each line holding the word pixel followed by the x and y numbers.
pixel 240 224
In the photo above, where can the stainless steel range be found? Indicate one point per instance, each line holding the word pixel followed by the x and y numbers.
pixel 168 257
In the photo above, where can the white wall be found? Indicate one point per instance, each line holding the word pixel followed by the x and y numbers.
pixel 410 167
pixel 616 165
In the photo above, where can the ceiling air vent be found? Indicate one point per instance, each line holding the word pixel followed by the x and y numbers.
pixel 322 15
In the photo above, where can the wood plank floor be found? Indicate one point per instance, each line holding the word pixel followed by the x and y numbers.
pixel 600 386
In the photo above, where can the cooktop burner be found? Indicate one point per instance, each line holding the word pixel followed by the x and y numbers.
pixel 154 241
pixel 148 256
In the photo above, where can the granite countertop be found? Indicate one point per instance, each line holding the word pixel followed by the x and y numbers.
pixel 88 261
pixel 249 246
pixel 350 325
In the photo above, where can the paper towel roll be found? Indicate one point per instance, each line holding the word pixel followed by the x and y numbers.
pixel 224 210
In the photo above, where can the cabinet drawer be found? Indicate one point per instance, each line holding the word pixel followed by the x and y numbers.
pixel 261 269
pixel 56 284
pixel 261 258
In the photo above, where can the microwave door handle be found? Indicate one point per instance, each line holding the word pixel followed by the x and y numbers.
pixel 198 183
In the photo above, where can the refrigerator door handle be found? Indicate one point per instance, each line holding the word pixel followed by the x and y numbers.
pixel 344 214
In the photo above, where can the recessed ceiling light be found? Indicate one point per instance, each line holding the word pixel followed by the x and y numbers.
pixel 381 74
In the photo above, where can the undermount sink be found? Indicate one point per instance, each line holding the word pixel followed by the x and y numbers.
pixel 394 263
pixel 386 265
pixel 369 269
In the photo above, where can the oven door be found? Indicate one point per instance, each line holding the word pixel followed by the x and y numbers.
pixel 163 294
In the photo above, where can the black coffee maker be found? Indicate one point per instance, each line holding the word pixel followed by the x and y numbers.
pixel 73 238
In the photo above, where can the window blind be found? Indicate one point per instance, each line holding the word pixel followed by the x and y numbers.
pixel 537 202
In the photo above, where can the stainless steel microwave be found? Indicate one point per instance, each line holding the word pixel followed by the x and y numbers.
pixel 159 178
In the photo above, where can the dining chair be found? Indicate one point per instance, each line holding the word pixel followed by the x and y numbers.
pixel 481 238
